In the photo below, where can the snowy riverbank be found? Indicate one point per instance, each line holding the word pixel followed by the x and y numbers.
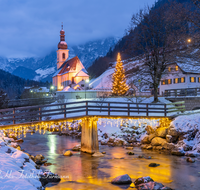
pixel 17 170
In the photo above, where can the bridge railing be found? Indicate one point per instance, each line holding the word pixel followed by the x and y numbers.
pixel 80 108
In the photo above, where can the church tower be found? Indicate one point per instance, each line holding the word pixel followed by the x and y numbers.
pixel 62 52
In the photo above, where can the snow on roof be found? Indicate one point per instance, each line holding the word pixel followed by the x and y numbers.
pixel 68 89
pixel 81 74
pixel 104 81
pixel 188 65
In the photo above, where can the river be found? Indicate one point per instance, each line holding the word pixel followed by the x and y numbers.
pixel 83 172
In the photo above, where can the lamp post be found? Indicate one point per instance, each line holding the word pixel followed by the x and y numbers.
pixel 52 89
pixel 86 81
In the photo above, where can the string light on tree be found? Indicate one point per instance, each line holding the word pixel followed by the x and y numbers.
pixel 119 86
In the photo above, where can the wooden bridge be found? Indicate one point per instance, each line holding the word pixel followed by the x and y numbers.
pixel 87 111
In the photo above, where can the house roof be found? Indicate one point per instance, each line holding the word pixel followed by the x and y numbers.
pixel 187 59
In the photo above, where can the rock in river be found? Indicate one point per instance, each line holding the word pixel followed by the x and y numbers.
pixel 122 179
pixel 67 153
pixel 153 165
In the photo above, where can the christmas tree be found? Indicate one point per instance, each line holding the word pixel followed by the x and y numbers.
pixel 119 86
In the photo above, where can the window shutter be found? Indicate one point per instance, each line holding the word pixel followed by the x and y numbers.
pixel 179 80
pixel 170 81
pixel 174 81
pixel 190 79
pixel 184 79
pixel 194 79
pixel 166 81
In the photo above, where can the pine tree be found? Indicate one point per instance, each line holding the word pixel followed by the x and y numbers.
pixel 119 86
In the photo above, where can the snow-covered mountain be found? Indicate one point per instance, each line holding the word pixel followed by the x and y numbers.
pixel 43 68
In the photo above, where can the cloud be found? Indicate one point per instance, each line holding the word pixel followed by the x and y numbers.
pixel 31 28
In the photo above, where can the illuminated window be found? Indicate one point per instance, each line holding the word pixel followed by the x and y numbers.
pixel 176 68
pixel 198 79
pixel 169 69
pixel 176 80
pixel 182 79
pixel 192 79
pixel 163 82
pixel 169 81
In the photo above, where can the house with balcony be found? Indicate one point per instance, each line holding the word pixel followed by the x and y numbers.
pixel 181 78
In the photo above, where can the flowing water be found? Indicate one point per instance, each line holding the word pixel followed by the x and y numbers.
pixel 83 172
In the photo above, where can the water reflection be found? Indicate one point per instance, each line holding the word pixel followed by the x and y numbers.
pixel 83 172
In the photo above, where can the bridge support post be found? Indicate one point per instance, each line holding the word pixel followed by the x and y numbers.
pixel 89 135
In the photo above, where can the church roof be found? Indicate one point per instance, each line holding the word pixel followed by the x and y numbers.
pixel 68 65
pixel 82 73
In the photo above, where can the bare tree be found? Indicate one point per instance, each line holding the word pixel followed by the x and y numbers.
pixel 155 34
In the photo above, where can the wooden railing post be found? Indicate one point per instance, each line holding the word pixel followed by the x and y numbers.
pixel 165 110
pixel 86 108
pixel 108 109
pixel 40 118
pixel 128 109
pixel 13 115
pixel 147 110
pixel 65 114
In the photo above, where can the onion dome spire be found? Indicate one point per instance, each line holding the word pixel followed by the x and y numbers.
pixel 62 44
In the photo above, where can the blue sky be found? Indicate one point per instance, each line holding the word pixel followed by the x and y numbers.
pixel 31 27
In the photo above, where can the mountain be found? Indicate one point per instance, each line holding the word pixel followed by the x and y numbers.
pixel 43 68
pixel 14 85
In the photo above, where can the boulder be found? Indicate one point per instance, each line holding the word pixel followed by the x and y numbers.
pixel 77 148
pixel 157 141
pixel 19 140
pixel 118 142
pixel 151 136
pixel 153 165
pixel 39 157
pixel 122 179
pixel 149 129
pixel 149 147
pixel 67 153
pixel 177 152
pixel 111 139
pixel 169 146
pixel 169 138
pixel 103 152
pixel 190 160
pixel 162 132
pixel 97 154
pixel 150 186
pixel 129 148
pixel 173 132
pixel 49 177
pixel 130 153
pixel 142 180
pixel 145 140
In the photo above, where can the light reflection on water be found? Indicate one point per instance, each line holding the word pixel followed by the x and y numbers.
pixel 83 172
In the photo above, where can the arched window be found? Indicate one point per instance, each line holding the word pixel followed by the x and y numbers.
pixel 63 55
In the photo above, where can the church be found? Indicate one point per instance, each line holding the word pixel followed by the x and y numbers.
pixel 71 75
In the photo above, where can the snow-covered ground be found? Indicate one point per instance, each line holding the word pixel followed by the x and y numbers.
pixel 17 171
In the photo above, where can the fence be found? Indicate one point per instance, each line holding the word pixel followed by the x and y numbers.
pixel 182 92
pixel 80 108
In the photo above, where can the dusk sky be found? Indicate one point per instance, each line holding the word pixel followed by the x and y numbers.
pixel 31 27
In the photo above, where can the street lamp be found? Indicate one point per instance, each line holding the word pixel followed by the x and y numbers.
pixel 86 81
pixel 189 40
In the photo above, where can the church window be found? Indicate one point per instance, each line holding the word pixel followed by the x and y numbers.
pixel 63 55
